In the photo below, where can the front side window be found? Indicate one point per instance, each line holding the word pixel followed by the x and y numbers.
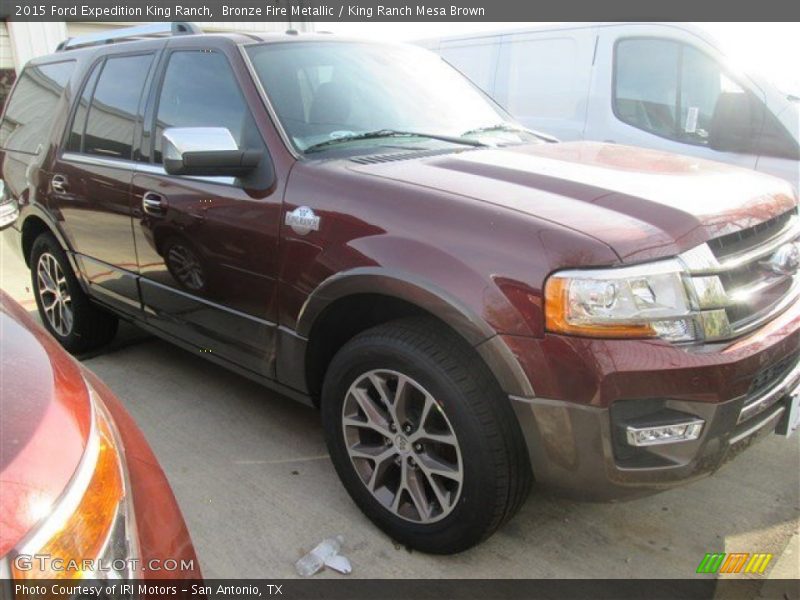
pixel 112 116
pixel 32 107
pixel 324 91
pixel 674 91
pixel 200 90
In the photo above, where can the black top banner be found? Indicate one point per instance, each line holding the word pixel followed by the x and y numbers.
pixel 398 10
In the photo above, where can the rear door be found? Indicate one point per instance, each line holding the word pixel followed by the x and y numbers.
pixel 89 186
pixel 207 247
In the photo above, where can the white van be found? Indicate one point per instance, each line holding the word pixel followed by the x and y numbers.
pixel 659 85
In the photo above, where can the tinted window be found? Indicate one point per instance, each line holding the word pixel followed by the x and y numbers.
pixel 112 115
pixel 32 108
pixel 75 140
pixel 200 90
pixel 672 90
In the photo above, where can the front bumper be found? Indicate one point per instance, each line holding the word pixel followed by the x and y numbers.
pixel 589 391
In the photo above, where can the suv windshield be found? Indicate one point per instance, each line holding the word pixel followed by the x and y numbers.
pixel 328 94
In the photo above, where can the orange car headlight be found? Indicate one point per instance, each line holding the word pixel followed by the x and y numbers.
pixel 642 301
pixel 90 532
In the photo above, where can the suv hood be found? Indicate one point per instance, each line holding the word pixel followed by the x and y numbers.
pixel 644 204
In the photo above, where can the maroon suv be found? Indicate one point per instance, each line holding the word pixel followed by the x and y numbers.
pixel 471 306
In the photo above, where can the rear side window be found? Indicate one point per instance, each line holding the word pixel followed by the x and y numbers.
pixel 32 107
pixel 113 111
pixel 75 140
pixel 200 90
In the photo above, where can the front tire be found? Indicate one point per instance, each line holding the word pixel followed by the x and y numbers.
pixel 422 437
pixel 65 310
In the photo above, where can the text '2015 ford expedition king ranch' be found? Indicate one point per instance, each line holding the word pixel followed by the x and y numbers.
pixel 472 306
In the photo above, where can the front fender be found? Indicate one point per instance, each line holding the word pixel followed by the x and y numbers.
pixel 432 298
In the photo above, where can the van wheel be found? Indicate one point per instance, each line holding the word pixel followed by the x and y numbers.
pixel 65 309
pixel 422 437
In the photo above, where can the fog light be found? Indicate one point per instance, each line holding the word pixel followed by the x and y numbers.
pixel 665 434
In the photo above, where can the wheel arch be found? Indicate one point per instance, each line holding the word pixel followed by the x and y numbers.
pixel 350 302
pixel 33 225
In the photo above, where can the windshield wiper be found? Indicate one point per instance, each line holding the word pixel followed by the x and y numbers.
pixel 385 133
pixel 511 129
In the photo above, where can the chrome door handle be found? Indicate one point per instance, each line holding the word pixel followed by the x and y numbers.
pixel 154 204
pixel 59 184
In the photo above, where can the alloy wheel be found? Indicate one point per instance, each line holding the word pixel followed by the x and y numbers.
pixel 54 294
pixel 402 446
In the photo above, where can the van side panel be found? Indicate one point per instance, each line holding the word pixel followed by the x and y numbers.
pixel 476 58
pixel 543 79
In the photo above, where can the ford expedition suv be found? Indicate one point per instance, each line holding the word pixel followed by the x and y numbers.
pixel 472 306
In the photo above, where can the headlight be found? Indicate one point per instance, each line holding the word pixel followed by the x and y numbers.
pixel 90 531
pixel 643 301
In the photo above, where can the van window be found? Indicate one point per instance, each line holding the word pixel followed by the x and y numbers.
pixel 672 90
pixel 113 112
pixel 646 80
pixel 200 90
pixel 32 107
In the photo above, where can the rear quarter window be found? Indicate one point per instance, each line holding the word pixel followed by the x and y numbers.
pixel 32 106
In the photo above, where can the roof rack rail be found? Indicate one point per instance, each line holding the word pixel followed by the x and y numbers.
pixel 130 33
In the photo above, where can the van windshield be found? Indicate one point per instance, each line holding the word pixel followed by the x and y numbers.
pixel 332 94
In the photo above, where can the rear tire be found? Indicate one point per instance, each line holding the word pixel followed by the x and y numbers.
pixel 65 310
pixel 442 464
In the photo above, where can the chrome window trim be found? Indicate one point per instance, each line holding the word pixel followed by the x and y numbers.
pixel 136 167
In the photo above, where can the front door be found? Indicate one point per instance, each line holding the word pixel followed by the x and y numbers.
pixel 207 247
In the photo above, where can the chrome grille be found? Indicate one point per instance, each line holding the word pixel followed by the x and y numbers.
pixel 732 287
pixel 747 238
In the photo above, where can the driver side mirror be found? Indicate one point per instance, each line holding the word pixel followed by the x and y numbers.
pixel 206 152
pixel 731 128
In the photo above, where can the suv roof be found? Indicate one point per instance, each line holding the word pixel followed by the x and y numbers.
pixel 148 35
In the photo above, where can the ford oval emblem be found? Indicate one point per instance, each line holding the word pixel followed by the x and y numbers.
pixel 785 260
